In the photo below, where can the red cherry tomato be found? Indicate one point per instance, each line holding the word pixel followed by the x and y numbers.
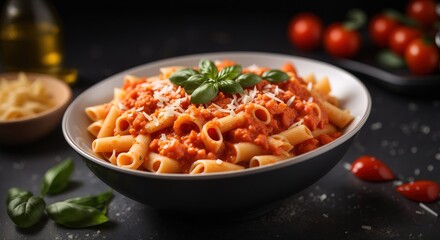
pixel 421 57
pixel 371 169
pixel 420 191
pixel 380 28
pixel 340 41
pixel 401 37
pixel 422 11
pixel 305 31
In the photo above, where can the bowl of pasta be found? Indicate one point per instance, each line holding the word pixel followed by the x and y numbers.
pixel 225 133
pixel 31 106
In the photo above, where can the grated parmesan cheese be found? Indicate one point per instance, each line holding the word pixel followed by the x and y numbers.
pixel 122 106
pixel 272 96
pixel 290 101
pixel 426 208
pixel 219 161
pixel 163 137
pixel 147 116
pixel 365 227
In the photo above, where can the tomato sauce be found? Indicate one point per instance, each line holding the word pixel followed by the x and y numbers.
pixel 150 97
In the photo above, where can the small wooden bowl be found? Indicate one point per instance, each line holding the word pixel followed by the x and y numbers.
pixel 29 129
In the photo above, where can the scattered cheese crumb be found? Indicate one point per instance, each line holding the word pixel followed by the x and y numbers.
pixel 347 166
pixel 426 208
pixel 365 227
pixel 218 161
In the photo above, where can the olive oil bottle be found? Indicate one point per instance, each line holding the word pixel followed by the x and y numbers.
pixel 31 39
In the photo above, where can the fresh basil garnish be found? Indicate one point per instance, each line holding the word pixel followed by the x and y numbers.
pixel 24 209
pixel 275 76
pixel 56 178
pixel 17 192
pixel 75 215
pixel 249 79
pixel 100 201
pixel 208 68
pixel 181 76
pixel 205 84
pixel 204 93
pixel 230 86
pixel 231 72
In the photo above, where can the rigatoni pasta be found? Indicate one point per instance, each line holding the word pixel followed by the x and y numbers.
pixel 152 124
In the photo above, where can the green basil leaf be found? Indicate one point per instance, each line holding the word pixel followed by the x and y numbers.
pixel 230 86
pixel 248 79
pixel 208 68
pixel 100 201
pixel 193 82
pixel 57 178
pixel 179 77
pixel 25 211
pixel 231 72
pixel 204 93
pixel 356 18
pixel 17 192
pixel 74 215
pixel 389 59
pixel 275 76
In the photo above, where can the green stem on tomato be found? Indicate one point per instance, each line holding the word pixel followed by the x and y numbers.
pixel 355 19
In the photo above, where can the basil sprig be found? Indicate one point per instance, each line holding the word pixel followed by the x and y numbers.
pixel 80 212
pixel 204 84
pixel 56 178
pixel 25 209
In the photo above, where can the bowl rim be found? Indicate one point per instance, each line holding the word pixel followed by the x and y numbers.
pixel 230 174
pixel 52 79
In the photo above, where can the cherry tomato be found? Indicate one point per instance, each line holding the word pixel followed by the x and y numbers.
pixel 421 57
pixel 305 31
pixel 401 37
pixel 371 169
pixel 380 28
pixel 420 191
pixel 340 41
pixel 422 11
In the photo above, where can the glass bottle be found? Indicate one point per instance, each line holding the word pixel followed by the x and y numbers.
pixel 31 38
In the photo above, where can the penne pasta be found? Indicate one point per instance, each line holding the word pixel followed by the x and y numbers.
pixel 108 144
pixel 136 154
pixel 329 128
pixel 153 123
pixel 336 115
pixel 263 160
pixel 209 166
pixel 122 126
pixel 244 151
pixel 95 127
pixel 97 112
pixel 230 122
pixel 185 123
pixel 108 126
pixel 160 164
pixel 297 134
pixel 212 136
pixel 323 86
pixel 261 114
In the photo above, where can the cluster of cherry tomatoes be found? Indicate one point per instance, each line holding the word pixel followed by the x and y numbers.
pixel 408 36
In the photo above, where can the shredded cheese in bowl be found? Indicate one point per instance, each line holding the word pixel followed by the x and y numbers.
pixel 21 97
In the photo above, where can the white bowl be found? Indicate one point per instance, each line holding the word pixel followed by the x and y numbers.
pixel 229 192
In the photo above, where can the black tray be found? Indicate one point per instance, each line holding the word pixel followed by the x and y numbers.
pixel 398 80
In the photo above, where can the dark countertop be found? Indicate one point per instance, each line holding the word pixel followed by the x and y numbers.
pixel 402 130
